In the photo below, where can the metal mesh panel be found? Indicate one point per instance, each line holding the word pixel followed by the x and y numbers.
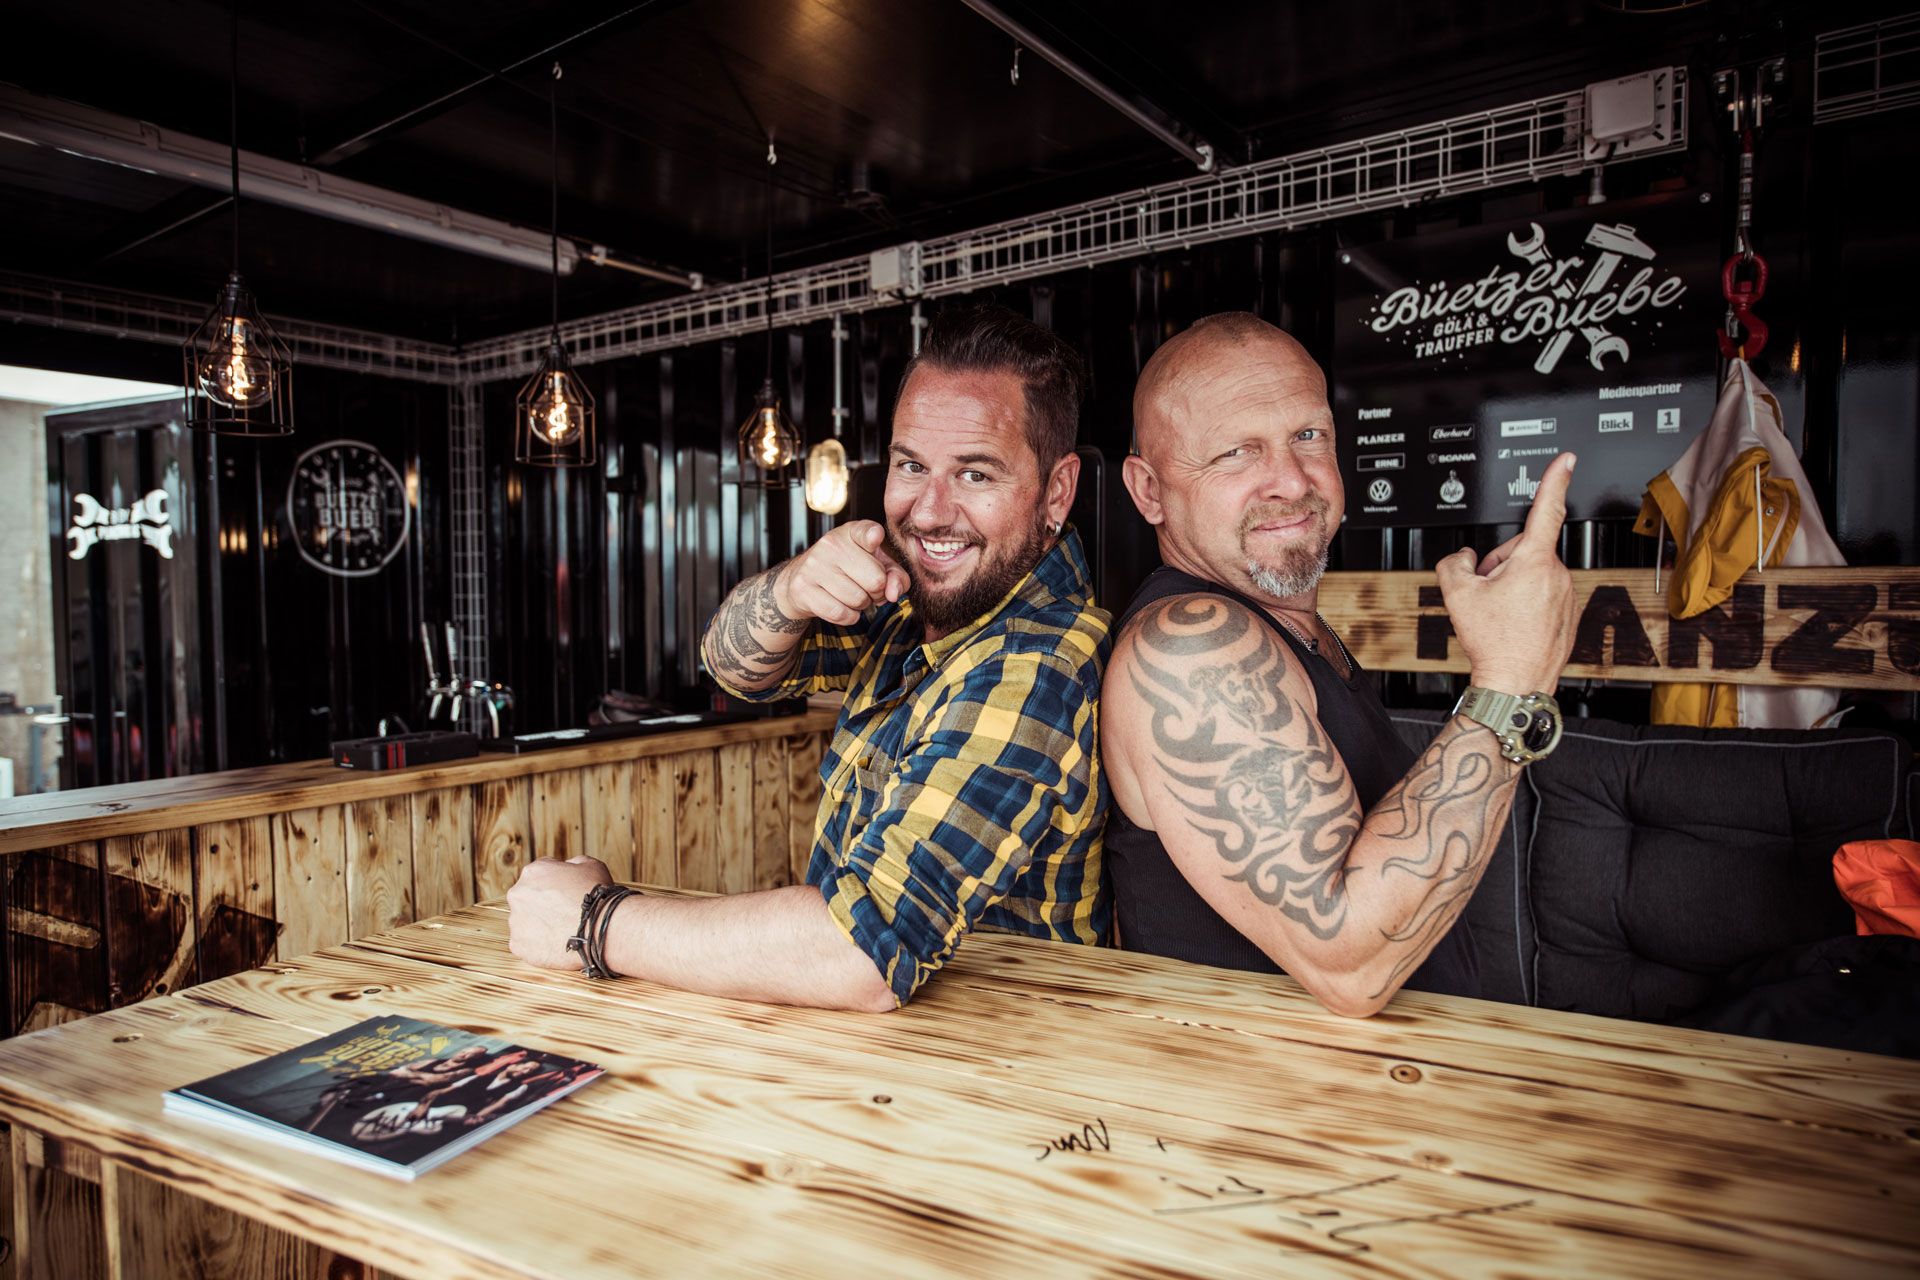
pixel 117 313
pixel 466 434
pixel 1471 152
pixel 1863 70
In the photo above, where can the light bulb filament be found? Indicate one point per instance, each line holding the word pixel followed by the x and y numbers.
pixel 239 379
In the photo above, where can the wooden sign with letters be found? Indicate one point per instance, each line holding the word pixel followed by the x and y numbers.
pixel 1855 628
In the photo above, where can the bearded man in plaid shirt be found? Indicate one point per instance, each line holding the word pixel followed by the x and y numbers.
pixel 962 788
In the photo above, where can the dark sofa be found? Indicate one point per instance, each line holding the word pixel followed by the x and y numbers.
pixel 1685 876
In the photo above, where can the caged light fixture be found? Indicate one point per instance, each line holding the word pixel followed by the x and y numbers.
pixel 238 374
pixel 768 443
pixel 554 414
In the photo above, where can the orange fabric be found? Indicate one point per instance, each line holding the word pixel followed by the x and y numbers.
pixel 1880 879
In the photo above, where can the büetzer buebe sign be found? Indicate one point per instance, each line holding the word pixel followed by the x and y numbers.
pixel 348 508
pixel 1464 361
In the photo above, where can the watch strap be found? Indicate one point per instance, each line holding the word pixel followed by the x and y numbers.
pixel 1508 716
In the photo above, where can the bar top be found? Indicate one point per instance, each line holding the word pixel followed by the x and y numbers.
pixel 1041 1109
pixel 95 813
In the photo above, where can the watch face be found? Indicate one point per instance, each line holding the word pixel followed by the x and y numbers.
pixel 1539 730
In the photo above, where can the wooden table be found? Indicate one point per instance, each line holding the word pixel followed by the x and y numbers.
pixel 1041 1110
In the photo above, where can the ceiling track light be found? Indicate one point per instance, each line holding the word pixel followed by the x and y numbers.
pixel 554 416
pixel 769 446
pixel 238 374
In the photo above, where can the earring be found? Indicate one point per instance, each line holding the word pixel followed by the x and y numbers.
pixel 1053 528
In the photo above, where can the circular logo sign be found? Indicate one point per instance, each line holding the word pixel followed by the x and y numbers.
pixel 347 508
pixel 1451 490
pixel 1380 490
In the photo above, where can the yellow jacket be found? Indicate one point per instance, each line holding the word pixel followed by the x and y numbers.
pixel 1734 501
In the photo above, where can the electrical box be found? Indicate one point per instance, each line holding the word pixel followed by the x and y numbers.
pixel 895 272
pixel 1633 113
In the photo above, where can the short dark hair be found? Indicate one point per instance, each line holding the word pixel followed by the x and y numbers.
pixel 993 339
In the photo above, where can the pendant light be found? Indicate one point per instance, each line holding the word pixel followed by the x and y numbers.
pixel 827 477
pixel 829 474
pixel 554 414
pixel 238 374
pixel 768 444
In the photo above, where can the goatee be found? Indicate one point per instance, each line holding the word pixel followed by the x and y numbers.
pixel 1298 570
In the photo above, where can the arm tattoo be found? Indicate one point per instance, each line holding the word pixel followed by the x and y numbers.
pixel 733 642
pixel 1441 822
pixel 1281 813
pixel 1280 817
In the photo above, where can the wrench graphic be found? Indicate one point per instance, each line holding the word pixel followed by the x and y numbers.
pixel 1615 242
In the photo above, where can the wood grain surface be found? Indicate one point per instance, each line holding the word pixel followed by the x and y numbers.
pixel 696 820
pixel 233 877
pixel 804 755
pixel 734 827
pixel 502 835
pixel 1040 1109
pixel 559 813
pixel 442 849
pixel 1848 628
pixel 771 803
pixel 94 813
pixel 150 927
pixel 379 865
pixel 607 793
pixel 310 878
pixel 654 792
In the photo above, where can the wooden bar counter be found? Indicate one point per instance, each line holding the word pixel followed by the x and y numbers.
pixel 1041 1109
pixel 115 894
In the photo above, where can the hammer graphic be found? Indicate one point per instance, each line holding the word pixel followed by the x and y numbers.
pixel 1614 243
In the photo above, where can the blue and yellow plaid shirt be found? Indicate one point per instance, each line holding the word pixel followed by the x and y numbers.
pixel 962 788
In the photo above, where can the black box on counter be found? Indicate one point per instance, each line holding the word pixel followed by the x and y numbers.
pixel 403 749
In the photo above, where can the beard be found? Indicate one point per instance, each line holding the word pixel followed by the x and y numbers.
pixel 1297 570
pixel 947 607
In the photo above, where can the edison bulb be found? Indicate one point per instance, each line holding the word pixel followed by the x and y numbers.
pixel 827 477
pixel 554 415
pixel 232 372
pixel 770 446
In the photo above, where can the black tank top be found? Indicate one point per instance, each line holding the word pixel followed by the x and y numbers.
pixel 1160 913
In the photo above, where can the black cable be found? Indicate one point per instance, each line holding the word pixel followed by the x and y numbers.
pixel 553 223
pixel 233 123
pixel 767 200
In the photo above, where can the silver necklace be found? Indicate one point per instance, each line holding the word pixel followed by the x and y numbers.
pixel 1313 645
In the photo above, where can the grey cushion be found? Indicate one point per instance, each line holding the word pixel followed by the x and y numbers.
pixel 1642 864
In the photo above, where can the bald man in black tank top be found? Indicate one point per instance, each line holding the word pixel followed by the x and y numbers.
pixel 1265 814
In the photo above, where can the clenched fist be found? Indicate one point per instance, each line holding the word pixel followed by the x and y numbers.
pixel 841 576
pixel 543 908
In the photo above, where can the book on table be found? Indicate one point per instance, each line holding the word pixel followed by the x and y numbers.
pixel 396 1095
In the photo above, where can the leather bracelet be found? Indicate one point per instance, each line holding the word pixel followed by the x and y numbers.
pixel 596 923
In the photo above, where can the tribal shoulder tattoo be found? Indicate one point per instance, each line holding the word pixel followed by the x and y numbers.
pixel 1254 773
pixel 733 645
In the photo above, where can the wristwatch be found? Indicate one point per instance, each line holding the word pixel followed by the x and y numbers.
pixel 1528 725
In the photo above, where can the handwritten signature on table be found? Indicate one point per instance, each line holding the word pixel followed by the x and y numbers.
pixel 1309 1210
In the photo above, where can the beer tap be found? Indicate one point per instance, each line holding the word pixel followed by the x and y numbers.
pixel 454 686
pixel 495 697
pixel 437 690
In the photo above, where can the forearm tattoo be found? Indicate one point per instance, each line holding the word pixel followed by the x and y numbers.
pixel 1440 823
pixel 733 644
pixel 1282 814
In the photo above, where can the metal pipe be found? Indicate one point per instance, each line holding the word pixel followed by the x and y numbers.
pixel 1201 154
pixel 840 410
pixel 136 144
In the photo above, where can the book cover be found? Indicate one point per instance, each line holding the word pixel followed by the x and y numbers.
pixel 392 1094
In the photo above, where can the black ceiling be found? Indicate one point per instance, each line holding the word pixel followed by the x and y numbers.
pixel 894 119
